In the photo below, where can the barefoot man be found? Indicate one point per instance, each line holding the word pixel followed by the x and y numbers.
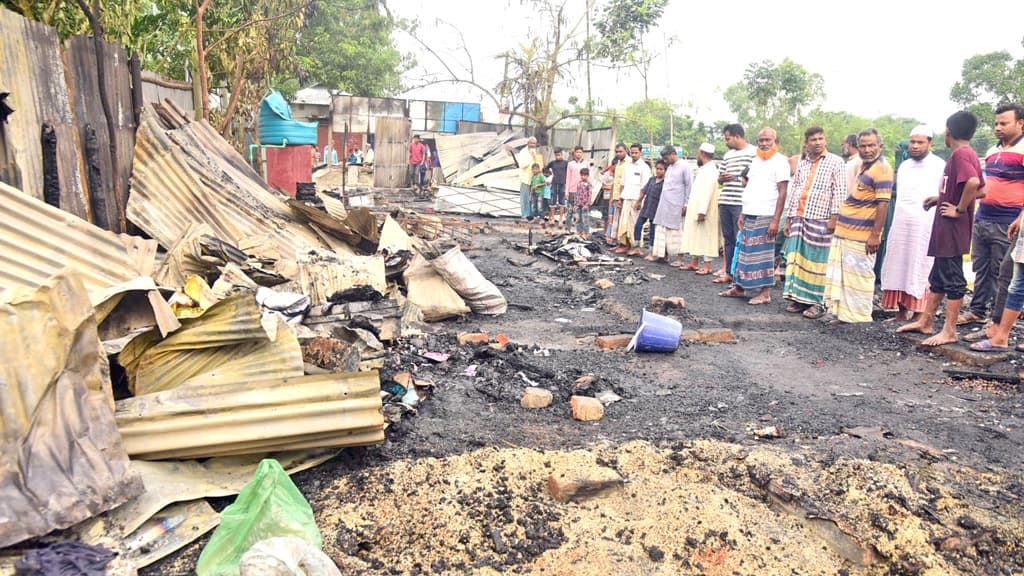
pixel 951 231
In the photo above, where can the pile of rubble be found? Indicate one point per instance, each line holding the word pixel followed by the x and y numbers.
pixel 140 376
pixel 480 173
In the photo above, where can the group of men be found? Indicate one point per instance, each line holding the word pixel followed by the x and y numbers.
pixel 817 221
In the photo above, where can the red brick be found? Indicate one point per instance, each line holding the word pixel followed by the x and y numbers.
pixel 709 335
pixel 474 338
pixel 586 408
pixel 534 397
pixel 613 342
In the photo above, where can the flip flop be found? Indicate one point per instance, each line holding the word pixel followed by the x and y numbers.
pixel 986 345
pixel 796 308
pixel 702 272
pixel 814 312
pixel 975 336
pixel 730 293
pixel 721 280
pixel 969 318
pixel 755 302
pixel 677 264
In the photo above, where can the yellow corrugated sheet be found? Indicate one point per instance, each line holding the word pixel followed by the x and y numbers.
pixel 226 344
pixel 331 410
pixel 61 457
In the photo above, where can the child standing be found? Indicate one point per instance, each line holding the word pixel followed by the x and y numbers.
pixel 951 232
pixel 581 203
pixel 559 174
pixel 536 192
pixel 546 199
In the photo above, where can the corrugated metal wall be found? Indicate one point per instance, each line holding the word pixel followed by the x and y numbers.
pixel 391 153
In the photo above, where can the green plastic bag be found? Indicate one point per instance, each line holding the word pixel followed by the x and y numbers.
pixel 269 506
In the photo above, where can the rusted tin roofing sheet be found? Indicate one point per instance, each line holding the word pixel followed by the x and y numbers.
pixel 61 456
pixel 32 71
pixel 331 410
pixel 190 174
pixel 38 241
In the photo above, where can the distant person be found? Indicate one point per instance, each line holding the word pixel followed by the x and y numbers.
pixel 764 198
pixel 613 195
pixel 730 199
pixel 368 157
pixel 353 157
pixel 417 154
pixel 330 155
pixel 951 230
pixel 853 161
pixel 816 191
pixel 581 203
pixel 537 184
pixel 702 236
pixel 850 277
pixel 525 159
pixel 906 264
pixel 650 196
pixel 636 174
pixel 675 193
pixel 1000 206
pixel 559 168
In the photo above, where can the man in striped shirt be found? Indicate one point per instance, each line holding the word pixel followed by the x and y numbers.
pixel 850 277
pixel 730 199
pixel 812 207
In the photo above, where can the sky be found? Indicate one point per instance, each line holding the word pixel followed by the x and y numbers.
pixel 877 58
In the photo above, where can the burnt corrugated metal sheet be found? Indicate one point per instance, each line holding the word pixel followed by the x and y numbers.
pixel 61 457
pixel 226 344
pixel 331 410
pixel 38 241
pixel 32 71
pixel 108 187
pixel 190 174
pixel 391 153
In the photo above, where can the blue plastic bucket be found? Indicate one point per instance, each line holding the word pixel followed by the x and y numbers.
pixel 657 333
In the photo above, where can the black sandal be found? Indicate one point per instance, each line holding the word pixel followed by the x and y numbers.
pixel 814 312
pixel 797 307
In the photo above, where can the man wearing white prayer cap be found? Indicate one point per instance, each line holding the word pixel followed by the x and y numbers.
pixel 906 263
pixel 702 237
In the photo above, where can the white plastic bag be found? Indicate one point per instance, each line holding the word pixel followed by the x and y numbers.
pixel 480 293
pixel 286 556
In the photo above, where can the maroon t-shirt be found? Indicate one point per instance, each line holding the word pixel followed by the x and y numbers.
pixel 951 237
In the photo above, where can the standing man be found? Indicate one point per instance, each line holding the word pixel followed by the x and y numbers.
pixel 675 193
pixel 525 159
pixel 812 208
pixel 850 278
pixel 1003 196
pixel 764 199
pixel 417 154
pixel 702 237
pixel 730 199
pixel 611 230
pixel 906 264
pixel 636 174
pixel 951 231
pixel 559 171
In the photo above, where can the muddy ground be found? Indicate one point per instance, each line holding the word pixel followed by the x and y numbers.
pixel 924 458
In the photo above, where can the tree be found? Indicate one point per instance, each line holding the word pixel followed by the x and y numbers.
pixel 777 96
pixel 347 45
pixel 650 122
pixel 986 81
pixel 623 26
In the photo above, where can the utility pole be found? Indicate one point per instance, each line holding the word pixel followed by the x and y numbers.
pixel 668 88
pixel 590 99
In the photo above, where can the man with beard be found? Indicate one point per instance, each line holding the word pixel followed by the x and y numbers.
pixel 951 230
pixel 850 277
pixel 675 193
pixel 812 208
pixel 1004 193
pixel 702 237
pixel 764 199
pixel 611 230
pixel 906 264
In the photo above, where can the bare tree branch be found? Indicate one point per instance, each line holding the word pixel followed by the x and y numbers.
pixel 227 35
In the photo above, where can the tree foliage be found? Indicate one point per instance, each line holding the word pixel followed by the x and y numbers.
pixel 778 96
pixel 347 45
pixel 986 81
pixel 622 27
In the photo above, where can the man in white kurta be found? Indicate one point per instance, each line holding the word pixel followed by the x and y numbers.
pixel 636 173
pixel 702 238
pixel 907 264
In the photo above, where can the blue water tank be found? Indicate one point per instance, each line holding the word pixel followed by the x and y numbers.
pixel 277 126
